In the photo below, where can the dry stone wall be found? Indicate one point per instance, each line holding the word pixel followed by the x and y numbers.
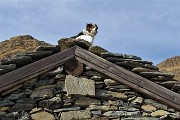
pixel 131 62
pixel 55 95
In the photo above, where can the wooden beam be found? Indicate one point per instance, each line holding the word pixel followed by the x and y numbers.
pixel 19 76
pixel 130 79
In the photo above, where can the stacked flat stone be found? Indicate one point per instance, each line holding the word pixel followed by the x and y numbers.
pixel 21 60
pixel 143 68
pixel 92 96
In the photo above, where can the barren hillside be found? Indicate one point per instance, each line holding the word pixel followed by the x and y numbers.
pixel 171 65
pixel 19 44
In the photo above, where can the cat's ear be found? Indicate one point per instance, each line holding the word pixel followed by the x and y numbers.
pixel 88 26
pixel 96 26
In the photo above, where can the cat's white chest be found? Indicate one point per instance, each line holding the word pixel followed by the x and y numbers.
pixel 86 37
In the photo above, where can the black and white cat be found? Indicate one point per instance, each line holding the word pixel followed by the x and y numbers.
pixel 88 33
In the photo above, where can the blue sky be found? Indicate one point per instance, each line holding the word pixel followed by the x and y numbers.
pixel 149 29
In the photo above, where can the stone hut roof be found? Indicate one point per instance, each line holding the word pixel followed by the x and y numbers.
pixel 98 85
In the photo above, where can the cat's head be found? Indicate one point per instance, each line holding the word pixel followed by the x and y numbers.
pixel 91 29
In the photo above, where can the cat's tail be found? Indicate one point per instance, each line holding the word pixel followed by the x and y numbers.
pixel 81 33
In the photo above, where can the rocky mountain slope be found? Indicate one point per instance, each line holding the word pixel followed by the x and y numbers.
pixel 19 44
pixel 171 65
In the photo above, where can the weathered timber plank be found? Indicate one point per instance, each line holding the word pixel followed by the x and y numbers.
pixel 27 72
pixel 130 79
pixel 11 89
pixel 133 86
